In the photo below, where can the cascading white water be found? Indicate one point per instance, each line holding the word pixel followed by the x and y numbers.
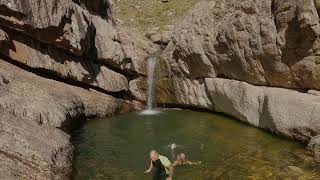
pixel 152 63
pixel 151 82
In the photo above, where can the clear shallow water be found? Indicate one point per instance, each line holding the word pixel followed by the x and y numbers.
pixel 117 148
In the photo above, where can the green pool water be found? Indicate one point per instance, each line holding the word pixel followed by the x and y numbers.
pixel 117 148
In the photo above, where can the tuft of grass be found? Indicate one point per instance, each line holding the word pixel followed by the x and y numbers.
pixel 145 14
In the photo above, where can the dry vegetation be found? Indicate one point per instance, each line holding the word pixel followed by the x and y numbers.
pixel 146 14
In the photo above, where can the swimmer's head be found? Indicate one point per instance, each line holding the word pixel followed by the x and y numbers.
pixel 154 155
pixel 182 157
pixel 173 146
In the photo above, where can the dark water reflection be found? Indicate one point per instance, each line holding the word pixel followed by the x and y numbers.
pixel 117 148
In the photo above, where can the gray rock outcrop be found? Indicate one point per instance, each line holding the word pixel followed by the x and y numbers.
pixel 281 111
pixel 35 117
pixel 68 41
pixel 264 42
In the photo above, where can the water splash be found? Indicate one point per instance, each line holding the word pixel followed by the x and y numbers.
pixel 150 112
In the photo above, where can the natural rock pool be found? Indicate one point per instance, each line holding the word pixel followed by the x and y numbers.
pixel 118 148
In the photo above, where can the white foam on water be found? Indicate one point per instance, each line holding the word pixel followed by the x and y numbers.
pixel 150 112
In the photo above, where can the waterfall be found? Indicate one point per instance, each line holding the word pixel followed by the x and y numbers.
pixel 152 62
pixel 151 98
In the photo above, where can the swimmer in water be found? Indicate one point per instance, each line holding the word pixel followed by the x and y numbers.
pixel 161 165
pixel 182 160
pixel 173 148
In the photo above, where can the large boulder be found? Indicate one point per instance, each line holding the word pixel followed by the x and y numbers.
pixel 286 112
pixel 263 42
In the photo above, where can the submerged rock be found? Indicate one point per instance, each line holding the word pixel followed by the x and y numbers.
pixel 294 170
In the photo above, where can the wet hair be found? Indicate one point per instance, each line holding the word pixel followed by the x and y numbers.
pixel 154 152
pixel 182 157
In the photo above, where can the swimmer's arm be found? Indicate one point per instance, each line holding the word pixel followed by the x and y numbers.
pixel 174 164
pixel 193 163
pixel 150 168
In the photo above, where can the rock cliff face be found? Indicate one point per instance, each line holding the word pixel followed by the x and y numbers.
pixel 59 62
pixel 272 43
pixel 66 40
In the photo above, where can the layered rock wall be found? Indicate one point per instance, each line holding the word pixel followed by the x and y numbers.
pixel 60 62
pixel 68 41
pixel 262 42
pixel 35 115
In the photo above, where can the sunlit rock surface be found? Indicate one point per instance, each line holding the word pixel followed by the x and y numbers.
pixel 264 42
pixel 68 41
pixel 287 112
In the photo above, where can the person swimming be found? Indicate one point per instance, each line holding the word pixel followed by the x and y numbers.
pixel 161 166
pixel 173 148
pixel 182 160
